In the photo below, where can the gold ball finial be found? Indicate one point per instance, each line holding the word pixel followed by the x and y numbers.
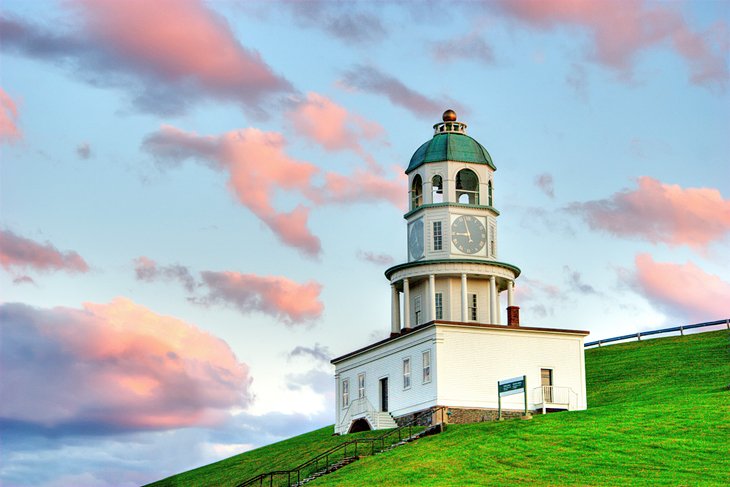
pixel 449 116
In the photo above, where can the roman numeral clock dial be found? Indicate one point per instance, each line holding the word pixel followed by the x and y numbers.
pixel 468 234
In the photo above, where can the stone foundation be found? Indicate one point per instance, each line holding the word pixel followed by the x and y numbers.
pixel 451 415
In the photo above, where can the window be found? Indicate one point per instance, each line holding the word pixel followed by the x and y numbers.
pixel 427 366
pixel 437 189
pixel 417 309
pixel 439 306
pixel 490 194
pixel 345 393
pixel 467 187
pixel 416 192
pixel 406 373
pixel 492 244
pixel 361 386
pixel 473 307
pixel 437 236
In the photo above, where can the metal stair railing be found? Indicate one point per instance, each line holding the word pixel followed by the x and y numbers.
pixel 359 406
pixel 324 462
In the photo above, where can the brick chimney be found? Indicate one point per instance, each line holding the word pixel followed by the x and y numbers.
pixel 513 316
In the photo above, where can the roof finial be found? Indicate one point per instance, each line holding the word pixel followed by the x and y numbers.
pixel 449 116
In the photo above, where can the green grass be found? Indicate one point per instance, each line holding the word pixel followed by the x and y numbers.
pixel 659 414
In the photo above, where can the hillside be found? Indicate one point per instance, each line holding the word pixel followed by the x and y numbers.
pixel 659 414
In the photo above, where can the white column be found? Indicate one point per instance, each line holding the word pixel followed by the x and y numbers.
pixel 488 308
pixel 493 298
pixel 394 310
pixel 406 304
pixel 464 308
pixel 432 295
pixel 510 293
pixel 499 311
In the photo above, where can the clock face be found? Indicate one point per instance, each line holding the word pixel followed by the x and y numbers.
pixel 468 234
pixel 415 240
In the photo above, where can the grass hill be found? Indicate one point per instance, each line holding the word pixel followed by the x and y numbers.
pixel 659 414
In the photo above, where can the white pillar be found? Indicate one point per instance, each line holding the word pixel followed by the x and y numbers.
pixel 406 304
pixel 464 308
pixel 510 293
pixel 499 311
pixel 488 308
pixel 432 295
pixel 493 298
pixel 394 310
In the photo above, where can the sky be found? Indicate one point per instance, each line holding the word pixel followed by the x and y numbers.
pixel 198 200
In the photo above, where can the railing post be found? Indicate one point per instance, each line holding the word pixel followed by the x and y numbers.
pixel 681 330
pixel 727 323
pixel 599 343
pixel 638 336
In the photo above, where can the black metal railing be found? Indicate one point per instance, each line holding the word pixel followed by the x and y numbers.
pixel 333 458
pixel 681 329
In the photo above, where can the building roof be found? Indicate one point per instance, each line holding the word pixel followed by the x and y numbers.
pixel 450 146
pixel 515 329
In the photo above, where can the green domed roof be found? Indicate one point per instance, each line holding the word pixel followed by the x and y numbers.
pixel 451 147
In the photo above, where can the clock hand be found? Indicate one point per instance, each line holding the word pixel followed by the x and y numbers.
pixel 468 233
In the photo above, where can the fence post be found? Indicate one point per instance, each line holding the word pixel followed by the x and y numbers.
pixel 638 336
pixel 681 330
pixel 599 343
pixel 727 323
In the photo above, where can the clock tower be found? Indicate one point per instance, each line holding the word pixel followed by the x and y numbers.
pixel 453 272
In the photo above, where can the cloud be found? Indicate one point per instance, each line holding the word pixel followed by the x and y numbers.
pixel 147 269
pixel 23 253
pixel 167 54
pixel 575 281
pixel 319 352
pixel 288 301
pixel 373 258
pixel 684 291
pixel 83 150
pixel 330 125
pixel 544 181
pixel 9 131
pixel 471 47
pixel 364 186
pixel 24 280
pixel 256 165
pixel 112 368
pixel 340 20
pixel 620 35
pixel 372 80
pixel 661 213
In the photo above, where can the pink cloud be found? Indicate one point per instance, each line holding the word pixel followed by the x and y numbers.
pixel 9 131
pixel 544 181
pixel 114 367
pixel 684 290
pixel 281 297
pixel 256 165
pixel 21 252
pixel 167 52
pixel 331 125
pixel 619 34
pixel 660 212
pixel 365 186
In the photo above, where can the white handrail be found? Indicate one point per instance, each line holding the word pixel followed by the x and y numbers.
pixel 357 406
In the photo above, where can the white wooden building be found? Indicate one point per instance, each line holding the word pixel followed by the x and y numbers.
pixel 448 346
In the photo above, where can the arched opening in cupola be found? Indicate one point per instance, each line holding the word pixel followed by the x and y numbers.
pixel 491 197
pixel 437 189
pixel 467 187
pixel 416 192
